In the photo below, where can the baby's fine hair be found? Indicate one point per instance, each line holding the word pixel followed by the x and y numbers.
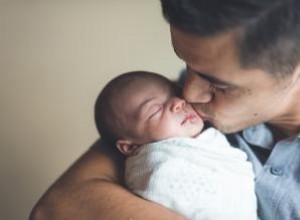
pixel 105 113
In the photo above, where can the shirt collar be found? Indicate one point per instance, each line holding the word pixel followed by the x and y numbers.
pixel 259 135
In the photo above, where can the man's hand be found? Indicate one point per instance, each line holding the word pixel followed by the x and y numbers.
pixel 92 189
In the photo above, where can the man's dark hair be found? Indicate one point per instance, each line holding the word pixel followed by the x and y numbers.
pixel 268 31
pixel 106 114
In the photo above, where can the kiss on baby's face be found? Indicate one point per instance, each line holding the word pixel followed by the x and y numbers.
pixel 152 112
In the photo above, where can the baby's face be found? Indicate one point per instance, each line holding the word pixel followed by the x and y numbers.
pixel 156 114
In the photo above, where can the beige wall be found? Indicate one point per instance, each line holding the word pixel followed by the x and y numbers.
pixel 55 57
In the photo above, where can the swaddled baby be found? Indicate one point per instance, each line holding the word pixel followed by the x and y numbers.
pixel 171 160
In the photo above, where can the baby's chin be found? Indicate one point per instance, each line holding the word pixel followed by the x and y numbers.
pixel 199 128
pixel 196 134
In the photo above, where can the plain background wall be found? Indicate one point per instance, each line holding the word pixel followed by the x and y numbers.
pixel 55 56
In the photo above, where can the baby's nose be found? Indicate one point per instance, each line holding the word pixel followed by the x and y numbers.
pixel 177 105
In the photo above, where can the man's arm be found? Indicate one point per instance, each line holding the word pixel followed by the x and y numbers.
pixel 91 189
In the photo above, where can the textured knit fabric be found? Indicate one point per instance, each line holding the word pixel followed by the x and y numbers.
pixel 203 178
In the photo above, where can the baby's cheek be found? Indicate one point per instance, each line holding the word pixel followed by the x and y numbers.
pixel 161 132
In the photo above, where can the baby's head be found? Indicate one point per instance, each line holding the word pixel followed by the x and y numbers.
pixel 140 107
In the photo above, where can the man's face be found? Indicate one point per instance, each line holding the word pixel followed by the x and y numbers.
pixel 153 113
pixel 230 97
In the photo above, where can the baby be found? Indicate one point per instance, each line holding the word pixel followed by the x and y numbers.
pixel 171 160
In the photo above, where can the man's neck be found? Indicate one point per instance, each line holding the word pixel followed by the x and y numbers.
pixel 284 131
pixel 287 122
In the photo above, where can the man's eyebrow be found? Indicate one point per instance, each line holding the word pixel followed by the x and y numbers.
pixel 211 79
pixel 214 80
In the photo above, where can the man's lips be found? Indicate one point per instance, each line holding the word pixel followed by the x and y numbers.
pixel 200 114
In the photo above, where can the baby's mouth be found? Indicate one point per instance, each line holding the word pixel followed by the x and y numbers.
pixel 187 118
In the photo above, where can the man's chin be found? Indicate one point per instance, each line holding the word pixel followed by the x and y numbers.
pixel 223 128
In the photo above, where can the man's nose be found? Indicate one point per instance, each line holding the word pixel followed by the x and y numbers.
pixel 177 105
pixel 196 89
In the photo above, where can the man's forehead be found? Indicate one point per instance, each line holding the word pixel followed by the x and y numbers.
pixel 201 51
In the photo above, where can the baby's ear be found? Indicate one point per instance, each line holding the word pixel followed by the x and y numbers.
pixel 126 147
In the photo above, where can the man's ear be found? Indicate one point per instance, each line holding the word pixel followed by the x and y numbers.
pixel 126 147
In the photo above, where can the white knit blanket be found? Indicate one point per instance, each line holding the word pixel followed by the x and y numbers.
pixel 203 178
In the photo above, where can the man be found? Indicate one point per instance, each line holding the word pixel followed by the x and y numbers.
pixel 243 63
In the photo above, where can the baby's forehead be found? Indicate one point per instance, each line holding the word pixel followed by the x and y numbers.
pixel 157 86
pixel 146 84
pixel 138 92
